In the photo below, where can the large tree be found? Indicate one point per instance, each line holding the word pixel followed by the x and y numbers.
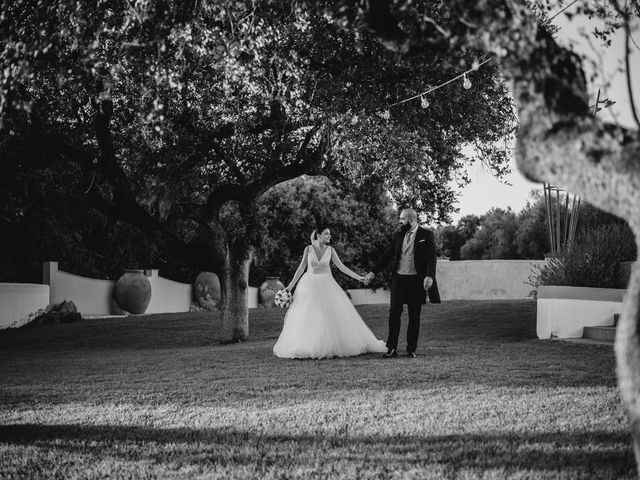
pixel 180 115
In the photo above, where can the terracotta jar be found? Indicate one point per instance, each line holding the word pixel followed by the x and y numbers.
pixel 133 291
pixel 267 291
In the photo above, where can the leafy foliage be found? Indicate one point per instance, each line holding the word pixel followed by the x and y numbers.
pixel 241 91
pixel 360 227
pixel 44 216
pixel 450 239
pixel 593 260
pixel 532 236
pixel 494 237
pixel 503 234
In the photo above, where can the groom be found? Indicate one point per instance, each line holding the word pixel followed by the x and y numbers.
pixel 414 274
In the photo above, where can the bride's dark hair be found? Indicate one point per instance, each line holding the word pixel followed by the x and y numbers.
pixel 315 235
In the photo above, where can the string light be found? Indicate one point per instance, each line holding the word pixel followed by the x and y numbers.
pixel 474 67
pixel 424 103
pixel 466 83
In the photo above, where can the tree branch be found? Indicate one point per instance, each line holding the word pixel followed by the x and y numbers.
pixel 53 143
pixel 305 143
pixel 124 207
pixel 107 163
pixel 627 61
pixel 306 163
pixel 229 129
pixel 224 193
pixel 273 177
pixel 196 254
pixel 627 53
pixel 235 169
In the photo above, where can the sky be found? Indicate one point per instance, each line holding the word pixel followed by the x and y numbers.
pixel 484 191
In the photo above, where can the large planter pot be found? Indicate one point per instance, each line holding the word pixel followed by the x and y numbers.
pixel 267 291
pixel 207 291
pixel 133 291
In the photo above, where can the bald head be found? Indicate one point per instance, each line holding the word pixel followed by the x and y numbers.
pixel 411 214
pixel 408 218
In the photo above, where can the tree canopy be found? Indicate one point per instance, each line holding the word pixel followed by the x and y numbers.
pixel 185 111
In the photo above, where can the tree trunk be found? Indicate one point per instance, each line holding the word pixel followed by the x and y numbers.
pixel 628 356
pixel 235 301
pixel 600 163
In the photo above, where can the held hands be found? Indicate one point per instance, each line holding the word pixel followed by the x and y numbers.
pixel 428 281
pixel 368 277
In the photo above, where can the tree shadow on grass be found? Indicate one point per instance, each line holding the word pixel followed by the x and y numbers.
pixel 464 321
pixel 595 454
pixel 140 332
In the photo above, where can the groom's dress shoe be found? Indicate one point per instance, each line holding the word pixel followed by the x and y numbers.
pixel 411 354
pixel 391 353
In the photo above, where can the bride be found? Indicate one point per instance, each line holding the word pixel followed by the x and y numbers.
pixel 321 321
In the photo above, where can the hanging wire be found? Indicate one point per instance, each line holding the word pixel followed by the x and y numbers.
pixel 558 13
pixel 463 74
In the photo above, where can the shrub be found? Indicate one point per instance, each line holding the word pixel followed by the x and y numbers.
pixel 592 261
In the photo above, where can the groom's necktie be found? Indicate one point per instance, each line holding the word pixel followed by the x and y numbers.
pixel 407 238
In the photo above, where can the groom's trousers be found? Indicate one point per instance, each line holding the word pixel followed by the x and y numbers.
pixel 404 290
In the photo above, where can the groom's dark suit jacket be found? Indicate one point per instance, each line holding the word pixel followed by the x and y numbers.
pixel 424 257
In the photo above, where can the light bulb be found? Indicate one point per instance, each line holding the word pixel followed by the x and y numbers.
pixel 424 103
pixel 466 83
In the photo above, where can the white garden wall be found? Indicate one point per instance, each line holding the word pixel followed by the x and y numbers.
pixel 94 297
pixel 484 279
pixel 19 300
pixel 91 296
pixel 563 312
pixel 461 280
pixel 167 295
pixel 469 280
pixel 363 296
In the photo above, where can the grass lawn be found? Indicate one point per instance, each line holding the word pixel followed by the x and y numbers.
pixel 157 396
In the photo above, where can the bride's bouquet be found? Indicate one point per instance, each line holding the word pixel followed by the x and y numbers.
pixel 283 298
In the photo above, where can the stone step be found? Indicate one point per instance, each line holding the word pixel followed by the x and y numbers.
pixel 587 341
pixel 607 334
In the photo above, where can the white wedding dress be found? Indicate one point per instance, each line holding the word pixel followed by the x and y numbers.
pixel 321 321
